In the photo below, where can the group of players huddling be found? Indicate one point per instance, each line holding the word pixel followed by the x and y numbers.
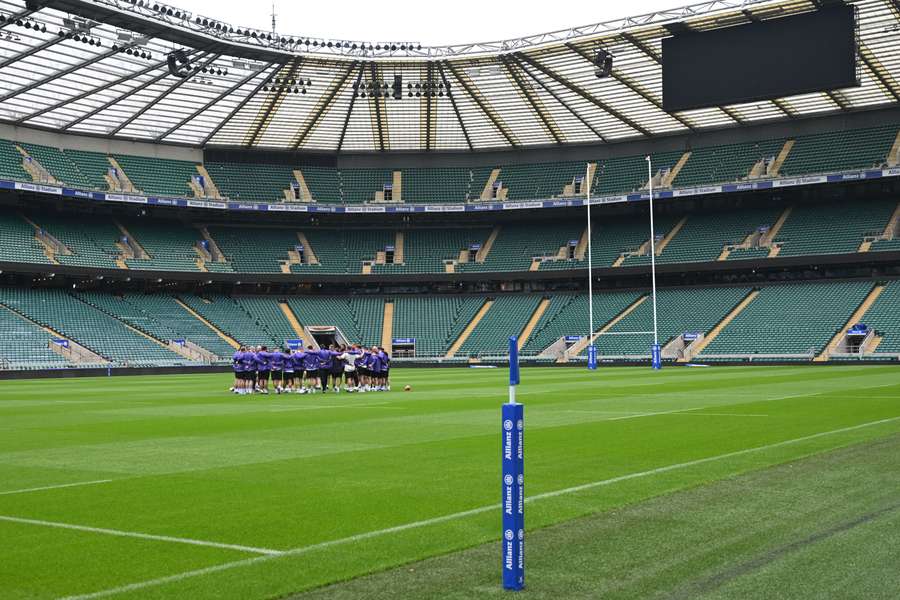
pixel 353 369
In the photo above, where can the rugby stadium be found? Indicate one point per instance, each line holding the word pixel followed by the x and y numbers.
pixel 686 224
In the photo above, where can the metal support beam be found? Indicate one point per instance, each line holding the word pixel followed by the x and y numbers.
pixel 13 18
pixel 784 108
pixel 115 100
pixel 227 118
pixel 32 50
pixel 350 108
pixel 586 95
pixel 838 98
pixel 59 74
pixel 512 66
pixel 92 91
pixel 376 99
pixel 329 95
pixel 883 78
pixel 459 118
pixel 212 102
pixel 651 54
pixel 178 83
pixel 483 105
pixel 631 85
pixel 429 77
pixel 562 102
pixel 644 48
pixel 251 137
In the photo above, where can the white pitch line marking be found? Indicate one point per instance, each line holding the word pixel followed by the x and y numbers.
pixel 55 487
pixel 460 515
pixel 628 414
pixel 718 414
pixel 327 406
pixel 708 459
pixel 656 413
pixel 142 536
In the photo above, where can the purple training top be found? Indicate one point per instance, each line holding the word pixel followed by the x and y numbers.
pixel 326 358
pixel 263 359
pixel 311 361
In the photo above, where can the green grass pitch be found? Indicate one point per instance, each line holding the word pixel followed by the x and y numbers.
pixel 728 482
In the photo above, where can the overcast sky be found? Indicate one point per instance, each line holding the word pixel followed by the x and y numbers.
pixel 426 22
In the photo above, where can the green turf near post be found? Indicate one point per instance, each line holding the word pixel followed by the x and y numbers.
pixel 186 459
pixel 818 527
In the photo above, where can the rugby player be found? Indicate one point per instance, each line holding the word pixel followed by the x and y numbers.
pixel 263 360
pixel 277 366
pixel 310 370
pixel 377 365
pixel 288 377
pixel 337 367
pixel 297 357
pixel 248 369
pixel 386 363
pixel 326 361
pixel 238 387
pixel 351 377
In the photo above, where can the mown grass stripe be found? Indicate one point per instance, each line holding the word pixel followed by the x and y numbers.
pixel 142 536
pixel 467 513
pixel 55 487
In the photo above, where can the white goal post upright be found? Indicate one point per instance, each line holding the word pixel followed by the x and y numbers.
pixel 654 351
pixel 592 353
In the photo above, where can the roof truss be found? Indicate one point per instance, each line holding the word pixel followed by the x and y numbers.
pixel 177 84
pixel 243 81
pixel 116 100
pixel 323 105
pixel 524 88
pixel 240 106
pixel 30 51
pixel 562 102
pixel 488 111
pixel 353 96
pixel 630 84
pixel 376 100
pixel 586 95
pixel 539 90
pixel 462 124
pixel 276 96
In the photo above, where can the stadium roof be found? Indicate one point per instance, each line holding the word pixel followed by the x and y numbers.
pixel 99 67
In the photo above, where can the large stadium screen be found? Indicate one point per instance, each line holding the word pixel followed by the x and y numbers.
pixel 768 59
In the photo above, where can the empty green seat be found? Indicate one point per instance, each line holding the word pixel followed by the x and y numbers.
pixel 89 326
pixel 840 150
pixel 434 322
pixel 791 319
pixel 11 163
pixel 507 316
pixel 360 318
pixel 59 164
pixel 159 176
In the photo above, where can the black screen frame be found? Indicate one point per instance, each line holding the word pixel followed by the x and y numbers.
pixel 719 67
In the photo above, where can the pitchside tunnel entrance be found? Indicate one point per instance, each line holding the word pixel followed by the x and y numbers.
pixel 326 335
